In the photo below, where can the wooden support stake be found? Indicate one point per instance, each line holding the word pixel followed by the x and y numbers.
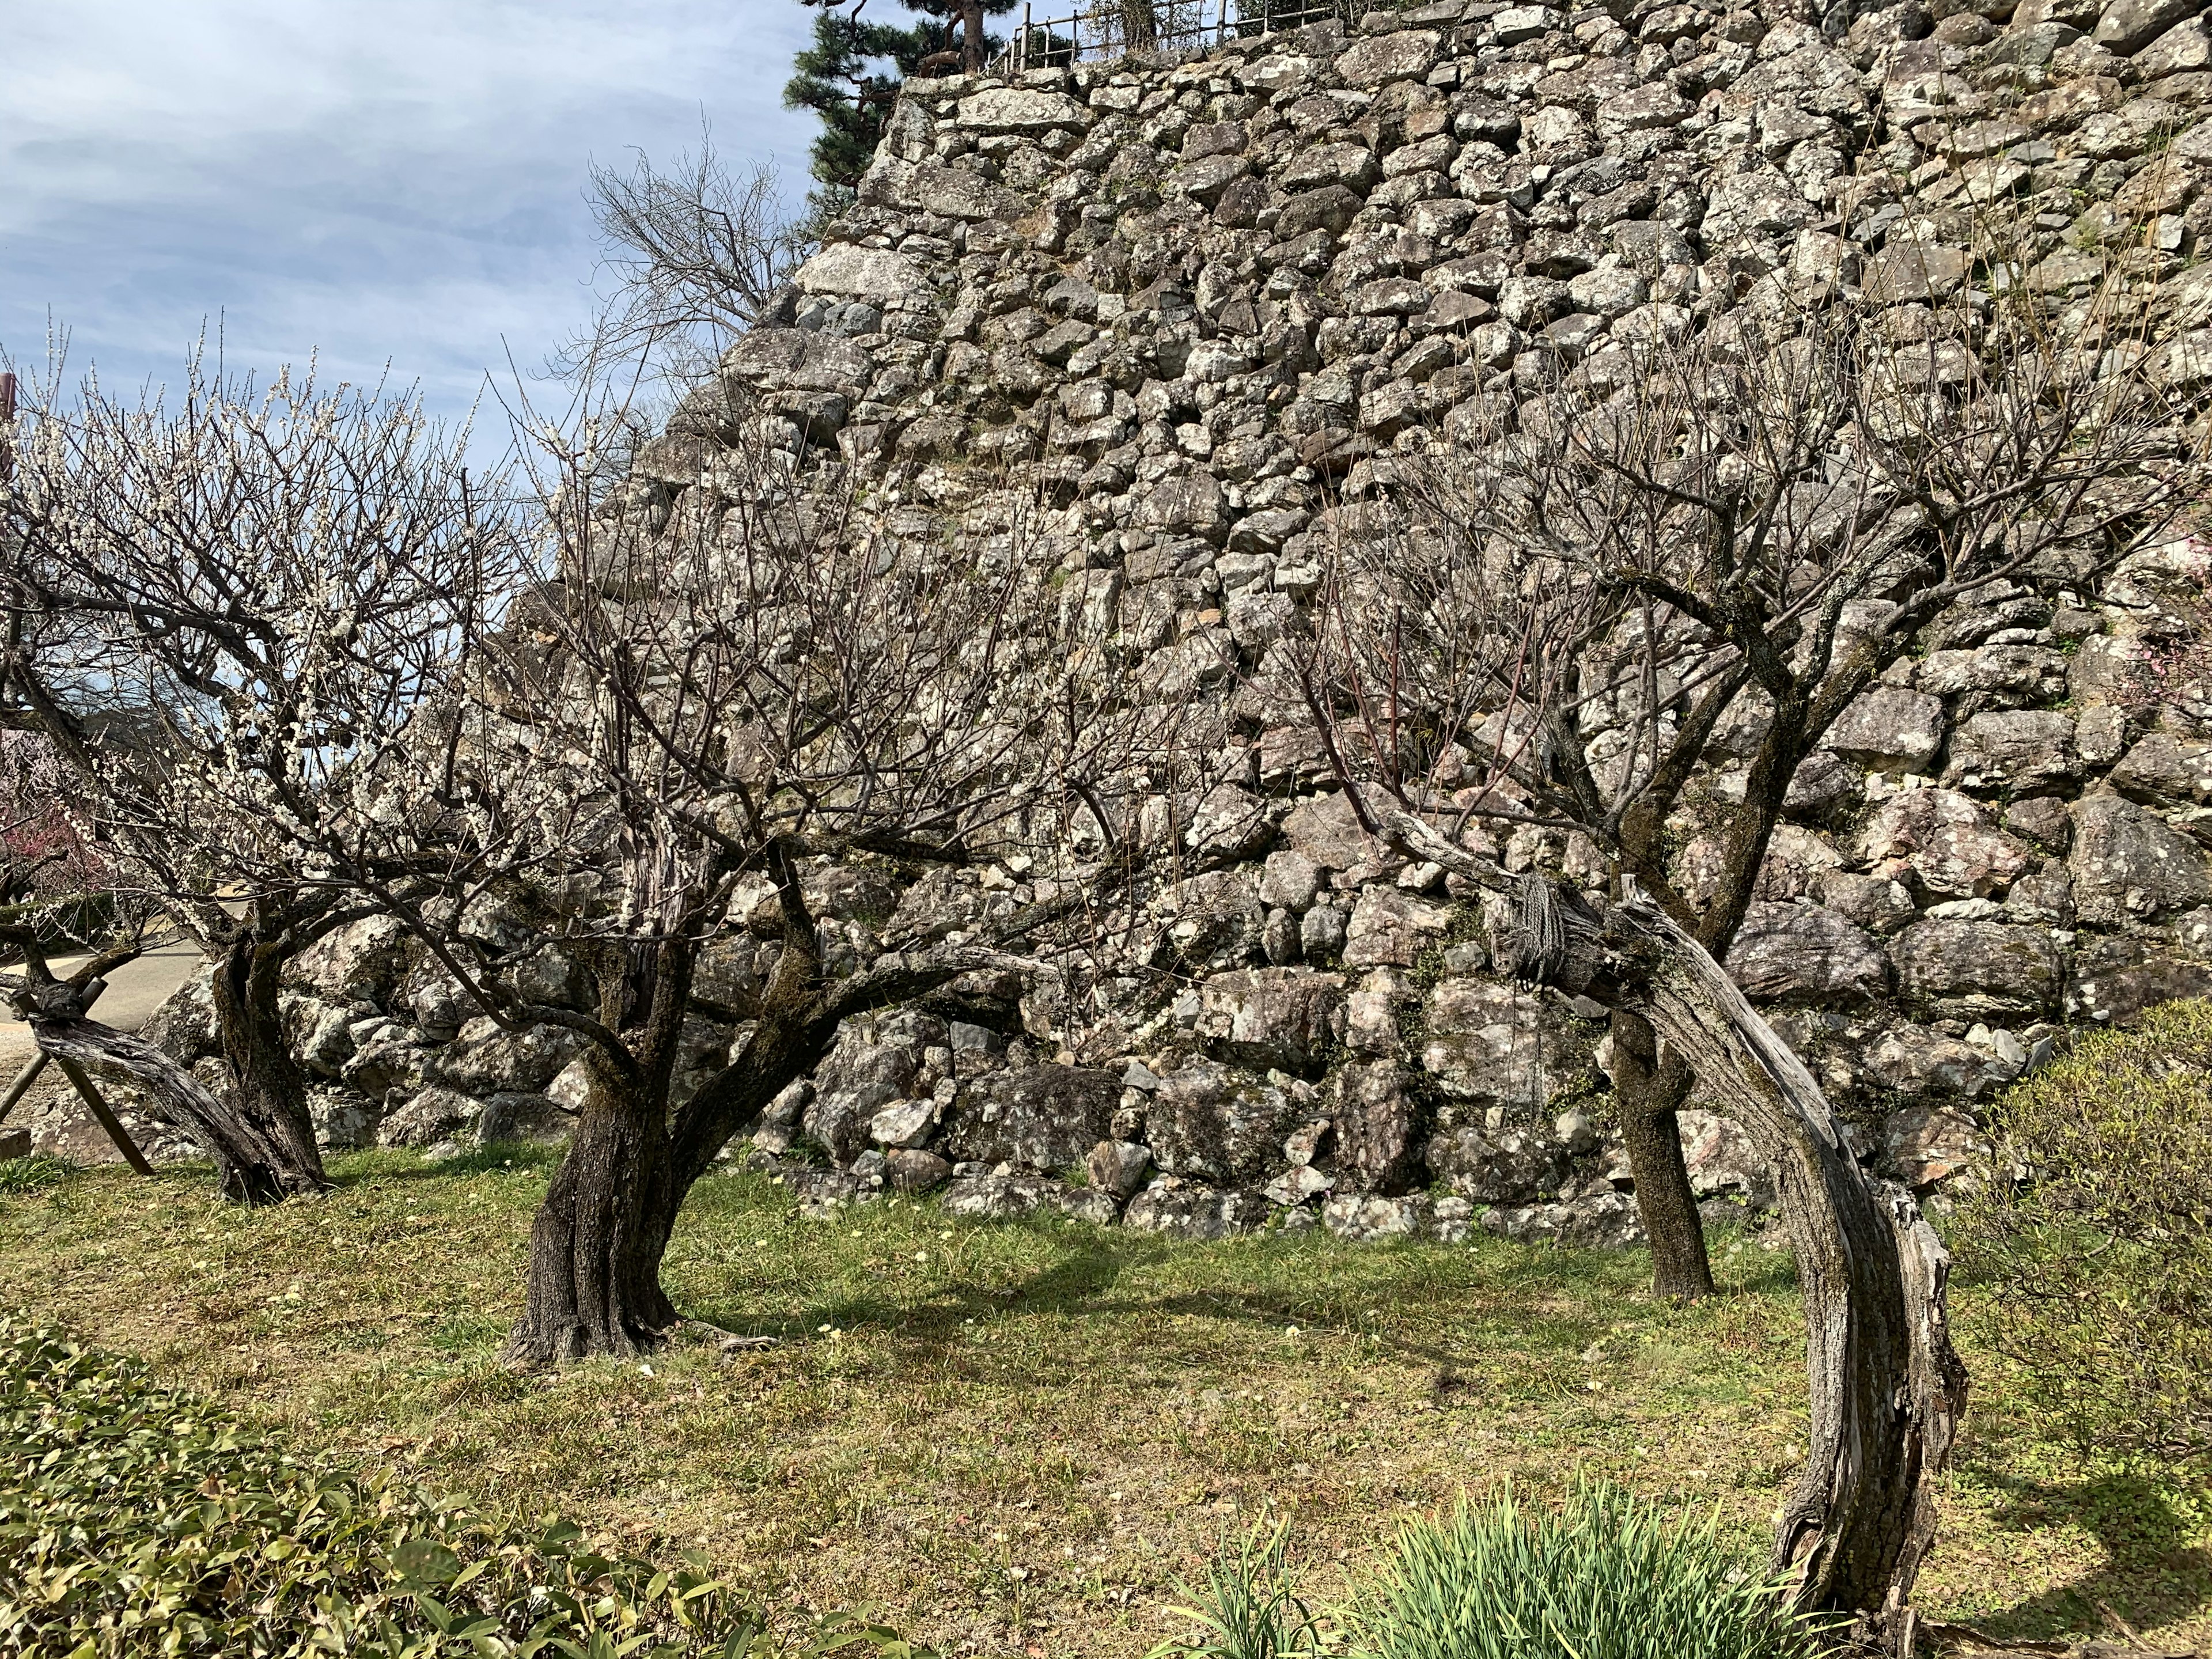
pixel 84 1087
pixel 22 1085
pixel 32 1072
pixel 115 1132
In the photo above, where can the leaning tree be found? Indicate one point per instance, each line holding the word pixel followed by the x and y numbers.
pixel 224 611
pixel 1543 627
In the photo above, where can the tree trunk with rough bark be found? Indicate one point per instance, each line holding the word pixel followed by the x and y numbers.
pixel 1649 1089
pixel 1886 1390
pixel 250 1167
pixel 971 36
pixel 268 1090
pixel 596 1245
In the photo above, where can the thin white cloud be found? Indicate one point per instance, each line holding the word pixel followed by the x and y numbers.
pixel 398 180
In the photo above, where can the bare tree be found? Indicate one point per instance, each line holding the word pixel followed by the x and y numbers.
pixel 677 723
pixel 697 252
pixel 223 614
pixel 1540 634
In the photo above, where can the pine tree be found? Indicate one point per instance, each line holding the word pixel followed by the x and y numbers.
pixel 850 76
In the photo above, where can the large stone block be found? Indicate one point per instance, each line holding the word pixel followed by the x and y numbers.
pixel 1890 729
pixel 797 359
pixel 2021 749
pixel 1516 1165
pixel 847 270
pixel 1020 109
pixel 1406 55
pixel 1286 1018
pixel 1805 951
pixel 1218 1125
pixel 1378 1147
pixel 1945 840
pixel 2129 865
pixel 1483 1043
pixel 1979 967
pixel 873 1064
pixel 1391 928
pixel 2126 27
pixel 1046 1118
pixel 1184 1211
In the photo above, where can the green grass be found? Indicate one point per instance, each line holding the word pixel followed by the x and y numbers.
pixel 1018 1438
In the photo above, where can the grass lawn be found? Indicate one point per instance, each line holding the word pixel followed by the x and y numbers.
pixel 1016 1436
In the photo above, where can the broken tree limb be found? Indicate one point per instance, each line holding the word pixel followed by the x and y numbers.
pixel 1887 1389
pixel 22 1085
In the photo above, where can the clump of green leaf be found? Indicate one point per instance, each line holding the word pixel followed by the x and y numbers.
pixel 138 1521
pixel 1247 1607
pixel 34 1174
pixel 1607 1576
pixel 2092 1239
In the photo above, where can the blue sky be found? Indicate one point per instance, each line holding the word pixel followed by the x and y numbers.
pixel 391 180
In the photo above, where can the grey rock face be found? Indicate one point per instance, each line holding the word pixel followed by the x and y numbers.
pixel 1483 1043
pixel 1001 1198
pixel 2128 865
pixel 2127 26
pixel 1927 1145
pixel 1785 951
pixel 1208 1121
pixel 510 1116
pixel 1392 928
pixel 1945 840
pixel 2014 747
pixel 1979 967
pixel 1192 316
pixel 2166 770
pixel 1377 1146
pixel 912 1171
pixel 1890 730
pixel 431 1115
pixel 358 962
pixel 1498 1166
pixel 1285 1017
pixel 1194 1213
pixel 1607 1222
pixel 1364 1217
pixel 1036 1117
pixel 344 1119
pixel 861 273
pixel 1118 1168
pixel 863 1073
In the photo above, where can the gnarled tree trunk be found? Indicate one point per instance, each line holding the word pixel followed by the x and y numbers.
pixel 1886 1390
pixel 596 1244
pixel 268 1090
pixel 251 1166
pixel 1649 1087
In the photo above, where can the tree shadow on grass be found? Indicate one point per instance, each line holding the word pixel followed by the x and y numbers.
pixel 372 1168
pixel 2154 1573
pixel 1085 1281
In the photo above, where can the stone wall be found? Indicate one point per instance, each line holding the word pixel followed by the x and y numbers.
pixel 1192 306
